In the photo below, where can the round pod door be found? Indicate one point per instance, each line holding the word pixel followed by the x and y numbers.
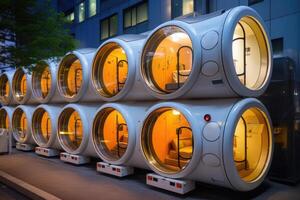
pixel 41 124
pixel 110 134
pixel 5 90
pixel 70 130
pixel 19 86
pixel 110 70
pixel 248 146
pixel 167 59
pixel 70 76
pixel 4 121
pixel 21 124
pixel 42 83
pixel 167 140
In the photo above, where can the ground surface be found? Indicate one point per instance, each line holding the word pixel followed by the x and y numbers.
pixel 72 182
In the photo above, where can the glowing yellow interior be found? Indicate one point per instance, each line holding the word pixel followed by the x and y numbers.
pixel 167 59
pixel 4 88
pixel 70 128
pixel 70 76
pixel 251 144
pixel 45 82
pixel 111 133
pixel 20 85
pixel 169 140
pixel 42 126
pixel 111 69
pixel 250 53
pixel 19 122
pixel 4 120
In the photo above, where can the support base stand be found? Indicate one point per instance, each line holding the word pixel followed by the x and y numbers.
pixel 24 147
pixel 174 185
pixel 116 170
pixel 46 152
pixel 74 159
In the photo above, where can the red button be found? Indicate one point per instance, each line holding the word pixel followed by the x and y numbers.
pixel 178 185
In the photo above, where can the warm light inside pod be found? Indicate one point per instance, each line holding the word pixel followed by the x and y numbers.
pixel 42 82
pixel 4 88
pixel 167 59
pixel 250 53
pixel 111 133
pixel 41 124
pixel 4 120
pixel 19 84
pixel 167 140
pixel 19 122
pixel 251 144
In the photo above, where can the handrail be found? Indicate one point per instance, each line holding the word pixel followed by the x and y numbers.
pixel 118 75
pixel 245 149
pixel 178 132
pixel 178 64
pixel 118 125
pixel 75 80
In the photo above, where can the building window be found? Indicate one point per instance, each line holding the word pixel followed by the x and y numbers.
pixel 109 27
pixel 135 15
pixel 252 2
pixel 81 12
pixel 277 45
pixel 187 7
pixel 92 7
pixel 70 17
pixel 182 7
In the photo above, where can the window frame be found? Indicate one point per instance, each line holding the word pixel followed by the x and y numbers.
pixel 129 9
pixel 108 26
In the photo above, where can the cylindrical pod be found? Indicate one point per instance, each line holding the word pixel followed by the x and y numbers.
pixel 22 88
pixel 73 76
pixel 115 70
pixel 6 96
pixel 115 133
pixel 44 126
pixel 21 124
pixel 225 142
pixel 5 119
pixel 74 129
pixel 223 54
pixel 44 83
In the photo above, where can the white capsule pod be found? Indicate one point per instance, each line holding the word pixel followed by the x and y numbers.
pixel 22 88
pixel 226 142
pixel 44 83
pixel 21 124
pixel 5 120
pixel 223 54
pixel 73 76
pixel 6 96
pixel 74 129
pixel 44 126
pixel 115 71
pixel 115 133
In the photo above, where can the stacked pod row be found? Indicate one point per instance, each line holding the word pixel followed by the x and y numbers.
pixel 224 54
pixel 222 142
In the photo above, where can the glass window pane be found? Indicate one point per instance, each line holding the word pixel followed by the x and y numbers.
pixel 127 18
pixel 113 26
pixel 142 13
pixel 70 17
pixel 92 7
pixel 187 6
pixel 104 29
pixel 81 12
pixel 133 16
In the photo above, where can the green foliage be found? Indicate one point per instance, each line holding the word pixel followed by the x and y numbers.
pixel 35 30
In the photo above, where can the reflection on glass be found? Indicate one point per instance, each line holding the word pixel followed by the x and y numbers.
pixel 167 59
pixel 187 7
pixel 168 140
pixel 19 122
pixel 41 81
pixel 4 88
pixel 20 84
pixel 92 7
pixel 250 53
pixel 251 144
pixel 70 76
pixel 81 12
pixel 70 129
pixel 111 133
pixel 41 126
pixel 110 70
